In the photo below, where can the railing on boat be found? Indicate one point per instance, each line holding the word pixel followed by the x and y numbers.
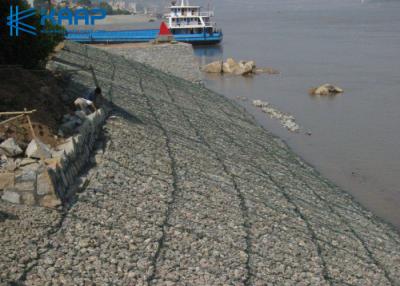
pixel 191 25
pixel 187 14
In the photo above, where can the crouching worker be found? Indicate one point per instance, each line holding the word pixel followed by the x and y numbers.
pixel 89 103
pixel 85 105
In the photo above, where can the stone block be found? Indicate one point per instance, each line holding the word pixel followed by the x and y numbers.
pixel 50 201
pixel 11 196
pixel 45 184
pixel 38 150
pixel 27 161
pixel 11 165
pixel 28 198
pixel 25 175
pixel 25 180
pixel 6 180
pixel 10 148
pixel 81 115
pixel 68 147
pixel 28 186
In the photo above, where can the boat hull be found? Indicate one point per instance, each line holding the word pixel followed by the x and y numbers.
pixel 137 36
pixel 200 39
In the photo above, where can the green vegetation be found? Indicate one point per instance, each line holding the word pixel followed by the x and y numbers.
pixel 110 10
pixel 42 4
pixel 27 50
pixel 85 3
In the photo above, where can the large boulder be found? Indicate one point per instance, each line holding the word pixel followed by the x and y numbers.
pixel 244 68
pixel 38 150
pixel 226 68
pixel 231 62
pixel 229 66
pixel 214 67
pixel 326 89
pixel 10 148
pixel 252 64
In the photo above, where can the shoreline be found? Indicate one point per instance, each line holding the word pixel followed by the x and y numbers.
pixel 191 189
pixel 156 55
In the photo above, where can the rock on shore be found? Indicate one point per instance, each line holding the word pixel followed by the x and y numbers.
pixel 230 66
pixel 288 121
pixel 326 89
pixel 191 190
pixel 214 67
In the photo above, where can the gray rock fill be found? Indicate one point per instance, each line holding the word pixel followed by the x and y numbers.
pixel 191 191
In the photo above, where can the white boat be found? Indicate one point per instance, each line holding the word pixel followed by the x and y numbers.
pixel 190 24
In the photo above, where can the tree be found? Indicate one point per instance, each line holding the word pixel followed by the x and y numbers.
pixel 27 50
pixel 85 3
pixel 107 7
pixel 40 4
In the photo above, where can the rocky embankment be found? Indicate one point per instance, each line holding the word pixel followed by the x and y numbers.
pixel 176 59
pixel 191 191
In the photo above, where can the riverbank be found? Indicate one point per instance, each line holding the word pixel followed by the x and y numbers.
pixel 191 190
pixel 353 44
pixel 176 59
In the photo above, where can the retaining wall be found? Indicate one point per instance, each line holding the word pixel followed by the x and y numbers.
pixel 48 182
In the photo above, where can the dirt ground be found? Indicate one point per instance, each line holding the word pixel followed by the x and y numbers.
pixel 40 90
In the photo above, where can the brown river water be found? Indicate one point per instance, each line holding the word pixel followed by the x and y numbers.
pixel 354 44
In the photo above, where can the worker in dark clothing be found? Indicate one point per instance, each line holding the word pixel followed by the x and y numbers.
pixel 94 95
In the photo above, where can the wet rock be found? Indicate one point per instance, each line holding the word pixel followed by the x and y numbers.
pixel 10 148
pixel 244 68
pixel 270 71
pixel 260 103
pixel 288 121
pixel 38 150
pixel 229 66
pixel 214 67
pixel 242 98
pixel 326 89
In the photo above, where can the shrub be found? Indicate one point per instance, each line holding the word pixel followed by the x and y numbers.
pixel 26 50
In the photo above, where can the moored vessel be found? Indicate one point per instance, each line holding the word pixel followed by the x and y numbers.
pixel 188 23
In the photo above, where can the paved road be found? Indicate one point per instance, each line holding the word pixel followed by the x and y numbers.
pixel 191 191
